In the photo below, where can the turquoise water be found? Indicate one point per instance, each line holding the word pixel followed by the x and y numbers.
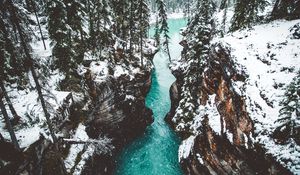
pixel 155 153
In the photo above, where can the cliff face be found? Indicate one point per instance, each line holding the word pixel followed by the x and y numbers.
pixel 119 109
pixel 222 150
pixel 116 92
pixel 224 129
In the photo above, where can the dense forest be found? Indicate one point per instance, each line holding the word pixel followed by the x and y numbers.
pixel 74 76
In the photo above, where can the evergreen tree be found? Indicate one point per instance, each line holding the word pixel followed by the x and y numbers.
pixel 187 9
pixel 286 9
pixel 99 34
pixel 201 28
pixel 164 28
pixel 16 117
pixel 246 13
pixel 7 121
pixel 59 33
pixel 33 6
pixel 143 24
pixel 224 7
pixel 131 27
pixel 157 32
pixel 75 13
pixel 121 14
pixel 199 34
pixel 289 121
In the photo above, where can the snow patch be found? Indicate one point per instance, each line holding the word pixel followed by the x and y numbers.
pixel 75 149
pixel 185 148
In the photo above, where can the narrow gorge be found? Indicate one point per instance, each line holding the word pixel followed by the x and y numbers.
pixel 156 151
pixel 149 87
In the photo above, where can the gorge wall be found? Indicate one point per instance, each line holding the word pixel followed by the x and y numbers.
pixel 220 137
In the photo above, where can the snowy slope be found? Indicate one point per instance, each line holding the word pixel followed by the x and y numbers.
pixel 26 102
pixel 270 57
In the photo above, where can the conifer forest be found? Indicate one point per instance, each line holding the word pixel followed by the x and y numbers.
pixel 149 87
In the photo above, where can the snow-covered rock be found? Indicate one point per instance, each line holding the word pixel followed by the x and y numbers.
pixel 238 100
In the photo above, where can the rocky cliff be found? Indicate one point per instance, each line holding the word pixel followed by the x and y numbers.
pixel 221 130
pixel 116 106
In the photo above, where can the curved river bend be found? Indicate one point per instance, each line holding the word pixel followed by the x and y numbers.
pixel 155 153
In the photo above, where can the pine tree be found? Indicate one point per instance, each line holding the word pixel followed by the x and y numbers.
pixel 157 32
pixel 59 32
pixel 164 28
pixel 120 9
pixel 9 69
pixel 7 121
pixel 289 9
pixel 202 28
pixel 12 65
pixel 16 117
pixel 75 13
pixel 143 24
pixel 33 6
pixel 131 28
pixel 98 20
pixel 199 34
pixel 246 13
pixel 289 121
pixel 188 9
pixel 224 6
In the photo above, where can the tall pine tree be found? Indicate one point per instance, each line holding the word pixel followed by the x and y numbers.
pixel 289 120
pixel 164 28
pixel 246 13
pixel 60 34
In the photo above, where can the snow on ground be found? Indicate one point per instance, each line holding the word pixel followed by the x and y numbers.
pixel 76 149
pixel 32 116
pixel 213 115
pixel 84 157
pixel 99 70
pixel 271 59
pixel 185 148
pixel 28 136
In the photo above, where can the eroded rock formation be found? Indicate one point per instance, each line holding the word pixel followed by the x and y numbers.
pixel 119 107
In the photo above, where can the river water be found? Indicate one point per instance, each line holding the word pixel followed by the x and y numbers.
pixel 155 153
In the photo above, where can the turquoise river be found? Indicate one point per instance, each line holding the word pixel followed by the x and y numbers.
pixel 155 153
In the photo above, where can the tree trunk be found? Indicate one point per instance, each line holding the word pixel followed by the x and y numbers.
pixel 10 46
pixel 168 51
pixel 141 31
pixel 188 6
pixel 9 103
pixel 38 21
pixel 223 4
pixel 131 28
pixel 7 121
